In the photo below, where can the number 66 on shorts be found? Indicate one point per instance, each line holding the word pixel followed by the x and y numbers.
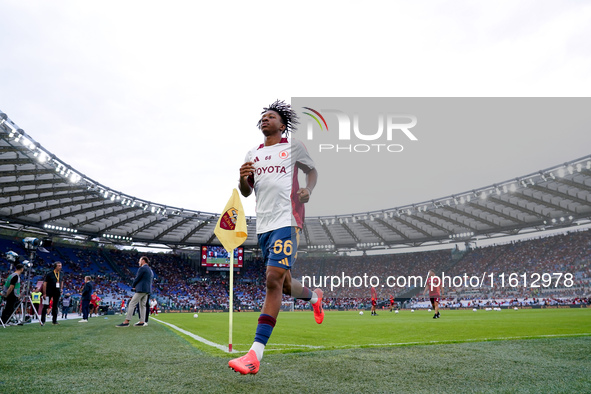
pixel 280 246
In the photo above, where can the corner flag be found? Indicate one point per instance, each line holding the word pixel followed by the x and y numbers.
pixel 231 228
pixel 232 232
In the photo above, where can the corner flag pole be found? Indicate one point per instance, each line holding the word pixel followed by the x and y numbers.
pixel 232 231
pixel 231 298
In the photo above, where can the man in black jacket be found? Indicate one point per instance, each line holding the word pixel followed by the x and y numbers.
pixel 52 290
pixel 86 293
pixel 142 285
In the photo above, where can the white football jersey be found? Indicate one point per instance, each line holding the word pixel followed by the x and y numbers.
pixel 276 183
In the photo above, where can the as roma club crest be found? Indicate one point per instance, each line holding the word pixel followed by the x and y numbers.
pixel 229 219
pixel 283 154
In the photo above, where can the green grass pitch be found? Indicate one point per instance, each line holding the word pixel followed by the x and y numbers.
pixel 297 331
pixel 526 350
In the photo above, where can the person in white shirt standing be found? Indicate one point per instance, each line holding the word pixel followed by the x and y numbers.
pixel 271 170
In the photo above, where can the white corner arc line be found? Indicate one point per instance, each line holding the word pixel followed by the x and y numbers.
pixel 195 337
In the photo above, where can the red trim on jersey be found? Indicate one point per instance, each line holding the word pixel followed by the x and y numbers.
pixel 282 141
pixel 297 208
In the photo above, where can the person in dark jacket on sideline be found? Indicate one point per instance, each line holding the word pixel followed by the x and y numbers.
pixel 86 294
pixel 142 285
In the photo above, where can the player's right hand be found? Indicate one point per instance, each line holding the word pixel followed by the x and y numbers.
pixel 247 169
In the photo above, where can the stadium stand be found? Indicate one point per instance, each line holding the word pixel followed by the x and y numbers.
pixel 178 286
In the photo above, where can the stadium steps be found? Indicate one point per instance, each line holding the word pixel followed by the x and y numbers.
pixel 64 258
pixel 112 263
pixel 500 254
pixel 455 260
pixel 407 295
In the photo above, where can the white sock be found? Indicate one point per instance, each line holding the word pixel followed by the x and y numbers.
pixel 259 349
pixel 314 298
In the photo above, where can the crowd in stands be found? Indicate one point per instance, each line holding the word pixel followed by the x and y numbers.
pixel 179 285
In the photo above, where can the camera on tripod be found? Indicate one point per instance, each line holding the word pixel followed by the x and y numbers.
pixel 24 302
pixel 32 243
pixel 12 257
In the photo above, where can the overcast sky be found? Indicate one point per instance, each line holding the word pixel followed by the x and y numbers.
pixel 160 100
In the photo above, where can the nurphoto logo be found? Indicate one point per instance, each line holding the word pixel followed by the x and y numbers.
pixel 350 137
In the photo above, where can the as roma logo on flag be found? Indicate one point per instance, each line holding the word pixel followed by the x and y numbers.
pixel 229 218
pixel 231 228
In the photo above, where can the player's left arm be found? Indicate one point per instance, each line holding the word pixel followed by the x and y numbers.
pixel 305 162
pixel 311 179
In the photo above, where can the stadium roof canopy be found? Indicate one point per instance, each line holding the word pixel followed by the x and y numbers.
pixel 40 192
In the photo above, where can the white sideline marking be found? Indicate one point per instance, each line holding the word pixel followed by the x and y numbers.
pixel 196 337
pixel 225 348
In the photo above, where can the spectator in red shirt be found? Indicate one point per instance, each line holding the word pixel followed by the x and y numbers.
pixel 433 286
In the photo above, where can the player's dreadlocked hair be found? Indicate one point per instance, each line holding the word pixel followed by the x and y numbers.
pixel 288 116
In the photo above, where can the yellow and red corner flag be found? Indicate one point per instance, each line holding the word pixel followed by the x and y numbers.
pixel 231 228
pixel 232 232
